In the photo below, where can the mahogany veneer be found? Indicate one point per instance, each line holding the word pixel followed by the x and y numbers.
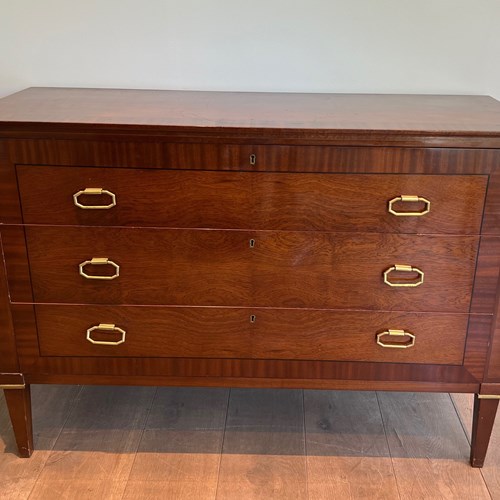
pixel 249 200
pixel 248 236
pixel 199 332
pixel 282 269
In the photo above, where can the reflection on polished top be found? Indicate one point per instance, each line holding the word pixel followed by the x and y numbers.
pixel 440 115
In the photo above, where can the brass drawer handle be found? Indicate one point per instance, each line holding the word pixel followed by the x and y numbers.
pixel 395 344
pixel 406 198
pixel 94 192
pixel 99 261
pixel 404 269
pixel 109 328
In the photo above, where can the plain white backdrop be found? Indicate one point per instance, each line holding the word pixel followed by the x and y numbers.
pixel 373 46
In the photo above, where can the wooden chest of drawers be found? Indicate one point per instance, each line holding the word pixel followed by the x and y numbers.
pixel 251 240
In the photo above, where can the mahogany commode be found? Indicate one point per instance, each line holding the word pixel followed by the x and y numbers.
pixel 250 239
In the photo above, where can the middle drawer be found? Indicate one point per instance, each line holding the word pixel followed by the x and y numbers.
pixel 251 268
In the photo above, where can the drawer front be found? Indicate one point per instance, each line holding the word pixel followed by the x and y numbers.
pixel 248 333
pixel 251 268
pixel 251 200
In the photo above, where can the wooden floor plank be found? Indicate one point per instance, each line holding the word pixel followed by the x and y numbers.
pixel 171 490
pixel 347 452
pixel 464 404
pixel 79 489
pixel 51 407
pixel 264 450
pixel 429 449
pixel 180 449
pixel 98 443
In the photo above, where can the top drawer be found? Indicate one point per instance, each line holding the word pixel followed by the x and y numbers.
pixel 251 200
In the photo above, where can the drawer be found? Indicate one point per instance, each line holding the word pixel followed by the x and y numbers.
pixel 251 200
pixel 251 268
pixel 248 333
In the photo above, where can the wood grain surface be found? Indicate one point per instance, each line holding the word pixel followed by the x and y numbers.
pixel 179 453
pixel 483 357
pixel 345 447
pixel 232 372
pixel 477 344
pixel 51 407
pixel 464 404
pixel 105 429
pixel 301 115
pixel 8 355
pixel 491 223
pixel 252 200
pixel 347 456
pixel 19 405
pixel 10 205
pixel 239 109
pixel 253 148
pixel 484 414
pixel 231 333
pixel 428 447
pixel 16 262
pixel 271 155
pixel 264 450
pixel 251 268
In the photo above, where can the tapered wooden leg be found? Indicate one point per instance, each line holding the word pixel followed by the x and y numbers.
pixel 482 425
pixel 19 405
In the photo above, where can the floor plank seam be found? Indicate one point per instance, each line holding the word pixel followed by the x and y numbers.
pixel 487 487
pixel 483 483
pixel 222 444
pixel 388 445
pixel 486 484
pixel 146 420
pixel 460 418
pixel 70 412
pixel 462 421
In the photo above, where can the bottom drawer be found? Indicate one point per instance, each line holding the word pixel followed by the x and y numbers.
pixel 253 333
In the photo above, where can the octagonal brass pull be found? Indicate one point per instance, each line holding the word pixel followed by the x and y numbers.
pixel 395 344
pixel 99 261
pixel 108 328
pixel 404 269
pixel 94 192
pixel 406 198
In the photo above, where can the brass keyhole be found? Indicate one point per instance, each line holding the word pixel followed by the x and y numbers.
pixel 252 243
pixel 253 318
pixel 253 159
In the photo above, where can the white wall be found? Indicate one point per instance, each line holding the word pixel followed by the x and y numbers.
pixel 426 46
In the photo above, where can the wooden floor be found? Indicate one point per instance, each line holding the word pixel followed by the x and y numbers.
pixel 188 443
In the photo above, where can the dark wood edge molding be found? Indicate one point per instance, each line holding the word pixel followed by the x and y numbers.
pixel 12 381
pixel 490 389
pixel 8 354
pixel 269 136
pixel 351 385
